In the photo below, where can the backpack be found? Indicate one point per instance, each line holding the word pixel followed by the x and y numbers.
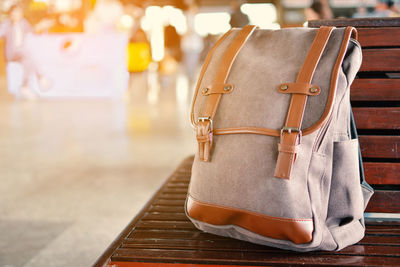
pixel 278 159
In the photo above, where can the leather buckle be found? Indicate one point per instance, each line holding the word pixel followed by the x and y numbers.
pixel 203 119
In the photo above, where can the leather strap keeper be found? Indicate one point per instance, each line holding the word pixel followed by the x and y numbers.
pixel 204 139
pixel 299 88
pixel 288 148
pixel 218 89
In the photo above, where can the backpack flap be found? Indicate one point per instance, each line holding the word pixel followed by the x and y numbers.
pixel 268 60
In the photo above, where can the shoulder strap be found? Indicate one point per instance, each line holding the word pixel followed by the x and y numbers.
pixel 204 126
pixel 291 132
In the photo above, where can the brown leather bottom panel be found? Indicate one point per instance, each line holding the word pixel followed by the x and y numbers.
pixel 298 231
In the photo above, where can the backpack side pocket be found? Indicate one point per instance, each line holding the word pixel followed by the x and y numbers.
pixel 346 201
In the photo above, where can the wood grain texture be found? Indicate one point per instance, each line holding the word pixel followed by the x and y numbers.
pixel 376 146
pixel 375 37
pixel 382 173
pixel 382 60
pixel 375 90
pixel 377 118
pixel 358 23
pixel 384 201
pixel 251 258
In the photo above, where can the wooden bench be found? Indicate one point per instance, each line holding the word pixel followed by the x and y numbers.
pixel 161 235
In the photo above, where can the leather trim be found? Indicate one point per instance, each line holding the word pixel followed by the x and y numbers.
pixel 350 32
pixel 299 231
pixel 299 88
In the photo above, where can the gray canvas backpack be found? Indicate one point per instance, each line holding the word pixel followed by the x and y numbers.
pixel 278 158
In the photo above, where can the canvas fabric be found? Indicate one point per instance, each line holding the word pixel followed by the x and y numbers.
pixel 325 184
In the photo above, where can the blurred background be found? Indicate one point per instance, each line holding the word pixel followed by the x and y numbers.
pixel 94 109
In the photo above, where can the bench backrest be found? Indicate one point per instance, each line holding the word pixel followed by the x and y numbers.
pixel 375 96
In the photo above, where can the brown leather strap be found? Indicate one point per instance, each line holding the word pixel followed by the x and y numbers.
pixel 291 132
pixel 204 127
pixel 201 75
pixel 247 130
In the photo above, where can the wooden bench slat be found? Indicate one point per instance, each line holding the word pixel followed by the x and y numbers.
pixel 377 118
pixel 374 146
pixel 359 23
pixel 179 176
pixel 165 202
pixel 166 209
pixel 388 225
pixel 380 240
pixel 178 186
pixel 375 90
pixel 165 217
pixel 226 244
pixel 383 250
pixel 180 180
pixel 384 201
pixel 196 235
pixel 189 235
pixel 383 232
pixel 373 37
pixel 173 196
pixel 176 190
pixel 382 60
pixel 165 225
pixel 382 173
pixel 217 257
pixel 372 237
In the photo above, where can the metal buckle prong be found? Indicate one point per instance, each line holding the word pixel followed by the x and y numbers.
pixel 203 119
pixel 290 129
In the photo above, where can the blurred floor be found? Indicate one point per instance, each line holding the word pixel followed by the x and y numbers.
pixel 75 172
